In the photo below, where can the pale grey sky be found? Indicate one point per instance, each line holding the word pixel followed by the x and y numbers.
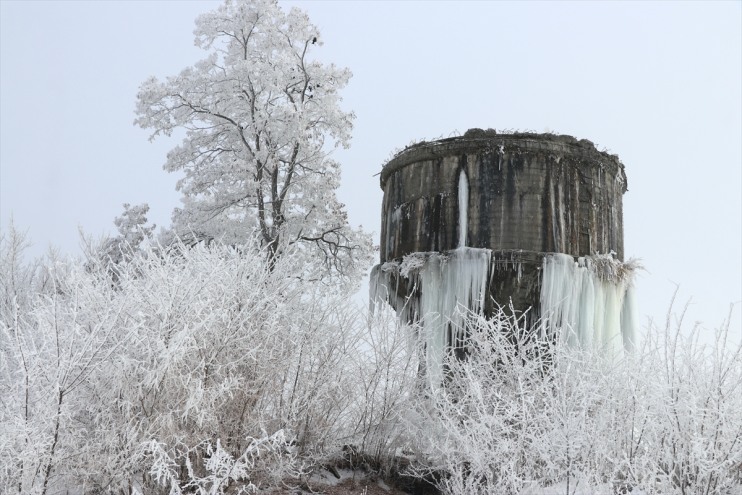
pixel 660 84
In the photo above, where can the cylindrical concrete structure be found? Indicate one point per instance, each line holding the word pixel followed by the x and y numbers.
pixel 539 193
pixel 521 196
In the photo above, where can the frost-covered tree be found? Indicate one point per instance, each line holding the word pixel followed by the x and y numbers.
pixel 261 117
pixel 110 254
pixel 132 231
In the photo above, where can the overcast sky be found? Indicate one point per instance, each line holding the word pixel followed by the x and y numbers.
pixel 659 84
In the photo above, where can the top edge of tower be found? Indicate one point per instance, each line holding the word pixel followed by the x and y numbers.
pixel 489 140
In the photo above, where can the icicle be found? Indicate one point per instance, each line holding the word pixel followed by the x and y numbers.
pixel 463 207
pixel 586 305
pixel 450 286
pixel 589 303
pixel 610 342
pixel 629 318
pixel 373 289
pixel 383 288
pixel 380 286
pixel 433 318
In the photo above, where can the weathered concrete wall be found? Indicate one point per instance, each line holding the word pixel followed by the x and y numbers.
pixel 532 192
pixel 524 198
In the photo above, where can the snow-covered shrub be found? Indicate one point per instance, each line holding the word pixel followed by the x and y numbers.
pixel 59 329
pixel 205 370
pixel 387 377
pixel 220 470
pixel 518 417
pixel 205 352
pixel 225 350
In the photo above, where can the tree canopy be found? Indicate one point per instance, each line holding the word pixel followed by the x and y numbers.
pixel 260 118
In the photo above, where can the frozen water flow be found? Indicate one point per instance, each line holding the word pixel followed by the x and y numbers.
pixel 450 286
pixel 463 207
pixel 589 302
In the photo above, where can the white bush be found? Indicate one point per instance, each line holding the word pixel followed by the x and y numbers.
pixel 205 370
pixel 203 352
pixel 517 416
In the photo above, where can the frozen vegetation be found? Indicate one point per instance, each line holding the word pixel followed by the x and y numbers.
pixel 224 357
pixel 200 370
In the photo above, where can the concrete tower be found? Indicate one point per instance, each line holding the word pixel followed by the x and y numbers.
pixel 528 222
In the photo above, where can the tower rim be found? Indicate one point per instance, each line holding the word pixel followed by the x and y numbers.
pixel 475 140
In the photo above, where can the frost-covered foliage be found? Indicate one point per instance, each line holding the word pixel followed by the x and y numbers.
pixel 260 116
pixel 524 417
pixel 133 231
pixel 201 369
pixel 59 327
pixel 204 371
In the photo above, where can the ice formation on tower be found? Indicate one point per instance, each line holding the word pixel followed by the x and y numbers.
pixel 447 287
pixel 589 302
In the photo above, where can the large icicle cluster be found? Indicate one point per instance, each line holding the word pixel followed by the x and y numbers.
pixel 450 287
pixel 589 302
pixel 447 287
